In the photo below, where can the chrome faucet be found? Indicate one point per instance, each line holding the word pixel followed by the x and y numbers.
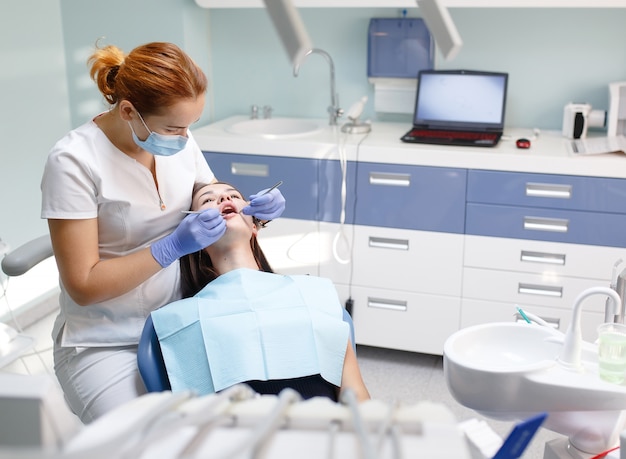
pixel 333 110
pixel 619 285
pixel 571 351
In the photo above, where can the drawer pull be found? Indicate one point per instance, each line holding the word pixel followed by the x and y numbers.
pixel 542 257
pixel 249 169
pixel 548 321
pixel 540 290
pixel 391 179
pixel 556 225
pixel 386 243
pixel 395 305
pixel 549 190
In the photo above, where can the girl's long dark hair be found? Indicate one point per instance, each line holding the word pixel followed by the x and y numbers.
pixel 197 270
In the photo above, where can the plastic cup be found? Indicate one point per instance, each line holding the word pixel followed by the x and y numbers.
pixel 612 352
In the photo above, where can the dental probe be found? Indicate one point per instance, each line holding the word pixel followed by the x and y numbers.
pixel 276 185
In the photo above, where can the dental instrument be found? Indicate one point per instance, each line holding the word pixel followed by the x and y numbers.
pixel 276 185
pixel 523 314
pixel 533 318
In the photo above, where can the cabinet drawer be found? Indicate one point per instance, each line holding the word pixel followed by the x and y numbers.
pixel 406 321
pixel 548 191
pixel 541 257
pixel 554 290
pixel 475 312
pixel 594 228
pixel 411 197
pixel 417 261
pixel 291 246
pixel 252 173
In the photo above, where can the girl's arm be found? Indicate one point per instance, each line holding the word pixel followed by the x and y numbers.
pixel 351 377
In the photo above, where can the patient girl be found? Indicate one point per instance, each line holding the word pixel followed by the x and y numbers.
pixel 241 323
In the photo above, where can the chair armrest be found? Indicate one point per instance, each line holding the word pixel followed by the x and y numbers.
pixel 22 259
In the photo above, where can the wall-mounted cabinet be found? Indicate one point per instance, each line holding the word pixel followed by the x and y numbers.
pixel 413 4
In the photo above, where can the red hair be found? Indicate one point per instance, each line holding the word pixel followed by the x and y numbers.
pixel 152 76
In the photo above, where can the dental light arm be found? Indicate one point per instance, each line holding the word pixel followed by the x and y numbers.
pixel 289 27
pixel 441 26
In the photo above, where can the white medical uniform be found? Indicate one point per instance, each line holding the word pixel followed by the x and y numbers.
pixel 86 177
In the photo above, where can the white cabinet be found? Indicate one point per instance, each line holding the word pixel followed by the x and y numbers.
pixel 291 246
pixel 538 241
pixel 405 285
pixel 403 319
pixel 400 259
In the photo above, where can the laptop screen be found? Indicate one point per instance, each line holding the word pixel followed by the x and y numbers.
pixel 460 99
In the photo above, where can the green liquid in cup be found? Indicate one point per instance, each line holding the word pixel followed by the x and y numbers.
pixel 612 356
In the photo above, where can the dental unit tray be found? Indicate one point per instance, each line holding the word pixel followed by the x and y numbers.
pixel 172 425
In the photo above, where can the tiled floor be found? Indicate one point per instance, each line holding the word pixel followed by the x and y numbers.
pixel 391 376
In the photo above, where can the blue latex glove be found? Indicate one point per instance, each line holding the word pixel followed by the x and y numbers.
pixel 266 206
pixel 194 233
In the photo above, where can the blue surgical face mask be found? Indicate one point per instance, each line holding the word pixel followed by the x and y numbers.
pixel 159 144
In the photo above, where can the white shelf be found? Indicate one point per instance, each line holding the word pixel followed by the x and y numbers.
pixel 413 4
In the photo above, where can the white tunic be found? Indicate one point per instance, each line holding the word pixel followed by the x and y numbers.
pixel 86 177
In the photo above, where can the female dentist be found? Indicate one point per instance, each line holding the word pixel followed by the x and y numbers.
pixel 113 190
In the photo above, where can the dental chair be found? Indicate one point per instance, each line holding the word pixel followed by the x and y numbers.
pixel 150 358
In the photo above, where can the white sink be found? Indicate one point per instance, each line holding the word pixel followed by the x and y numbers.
pixel 275 128
pixel 510 371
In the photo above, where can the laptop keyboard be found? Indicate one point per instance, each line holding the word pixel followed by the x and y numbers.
pixel 452 137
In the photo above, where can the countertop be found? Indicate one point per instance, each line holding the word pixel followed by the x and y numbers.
pixel 549 152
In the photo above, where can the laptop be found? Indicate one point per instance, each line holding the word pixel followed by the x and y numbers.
pixel 459 107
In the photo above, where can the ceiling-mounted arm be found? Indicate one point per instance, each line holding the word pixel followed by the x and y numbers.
pixel 441 26
pixel 290 28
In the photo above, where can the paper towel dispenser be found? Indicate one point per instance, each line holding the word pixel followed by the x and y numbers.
pixel 399 48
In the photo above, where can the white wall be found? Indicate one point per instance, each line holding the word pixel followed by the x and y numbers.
pixel 35 110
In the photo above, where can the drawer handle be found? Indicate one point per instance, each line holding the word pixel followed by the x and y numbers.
pixel 542 257
pixel 385 243
pixel 395 305
pixel 549 321
pixel 249 169
pixel 391 179
pixel 540 290
pixel 549 190
pixel 556 225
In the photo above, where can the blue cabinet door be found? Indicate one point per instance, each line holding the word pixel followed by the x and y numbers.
pixel 577 227
pixel 596 194
pixel 411 197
